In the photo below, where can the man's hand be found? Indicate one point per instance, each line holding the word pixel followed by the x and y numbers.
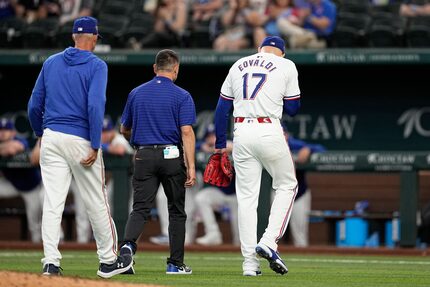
pixel 11 148
pixel 91 158
pixel 220 150
pixel 191 177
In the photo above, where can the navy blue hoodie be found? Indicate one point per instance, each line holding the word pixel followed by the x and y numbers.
pixel 70 95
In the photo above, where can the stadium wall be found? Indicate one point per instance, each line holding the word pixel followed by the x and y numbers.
pixel 351 100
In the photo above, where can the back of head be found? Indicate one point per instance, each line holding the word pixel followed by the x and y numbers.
pixel 7 129
pixel 6 124
pixel 85 33
pixel 274 45
pixel 85 25
pixel 166 60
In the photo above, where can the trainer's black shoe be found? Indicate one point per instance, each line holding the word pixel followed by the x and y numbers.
pixel 126 250
pixel 122 264
pixel 52 270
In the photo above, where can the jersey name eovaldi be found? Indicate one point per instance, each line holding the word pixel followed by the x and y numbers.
pixel 259 83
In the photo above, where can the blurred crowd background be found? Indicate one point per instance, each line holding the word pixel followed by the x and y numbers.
pixel 222 25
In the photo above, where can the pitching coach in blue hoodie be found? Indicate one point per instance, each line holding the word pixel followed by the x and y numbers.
pixel 66 110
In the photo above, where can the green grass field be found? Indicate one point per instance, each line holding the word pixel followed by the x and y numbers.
pixel 224 269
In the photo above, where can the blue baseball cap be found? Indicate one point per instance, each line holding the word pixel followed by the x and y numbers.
pixel 6 124
pixel 107 124
pixel 274 41
pixel 86 25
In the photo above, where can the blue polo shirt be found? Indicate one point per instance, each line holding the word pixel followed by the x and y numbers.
pixel 156 111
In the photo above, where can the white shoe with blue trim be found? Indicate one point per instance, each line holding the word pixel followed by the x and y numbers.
pixel 275 261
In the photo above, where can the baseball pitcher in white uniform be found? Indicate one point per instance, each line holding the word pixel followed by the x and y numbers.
pixel 260 88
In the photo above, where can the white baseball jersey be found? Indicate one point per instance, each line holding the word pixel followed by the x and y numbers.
pixel 259 83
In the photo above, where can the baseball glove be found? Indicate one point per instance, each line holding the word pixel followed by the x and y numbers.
pixel 219 170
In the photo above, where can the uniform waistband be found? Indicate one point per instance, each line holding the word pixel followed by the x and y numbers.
pixel 261 120
pixel 154 146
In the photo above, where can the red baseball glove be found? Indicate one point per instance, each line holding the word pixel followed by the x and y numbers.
pixel 219 170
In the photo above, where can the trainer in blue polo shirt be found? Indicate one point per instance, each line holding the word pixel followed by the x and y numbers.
pixel 158 119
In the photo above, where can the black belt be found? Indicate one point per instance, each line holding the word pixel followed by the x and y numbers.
pixel 154 146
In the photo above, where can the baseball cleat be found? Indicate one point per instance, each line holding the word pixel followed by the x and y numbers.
pixel 275 261
pixel 251 273
pixel 121 265
pixel 180 270
pixel 52 270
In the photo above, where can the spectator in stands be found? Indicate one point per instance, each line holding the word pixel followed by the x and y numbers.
pixel 24 182
pixel 169 27
pixel 67 10
pixel 299 222
pixel 415 8
pixel 29 10
pixel 204 10
pixel 275 10
pixel 73 9
pixel 50 8
pixel 8 8
pixel 243 22
pixel 311 25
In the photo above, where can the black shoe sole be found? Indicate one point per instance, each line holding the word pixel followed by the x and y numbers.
pixel 278 268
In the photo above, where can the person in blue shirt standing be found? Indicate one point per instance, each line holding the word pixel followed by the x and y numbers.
pixel 158 119
pixel 66 110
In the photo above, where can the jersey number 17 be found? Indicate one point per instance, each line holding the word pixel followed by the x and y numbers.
pixel 257 88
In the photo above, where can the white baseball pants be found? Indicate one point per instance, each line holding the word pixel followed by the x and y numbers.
pixel 60 157
pixel 257 146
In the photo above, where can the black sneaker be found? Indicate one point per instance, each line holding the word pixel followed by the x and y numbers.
pixel 122 264
pixel 130 271
pixel 52 270
pixel 126 250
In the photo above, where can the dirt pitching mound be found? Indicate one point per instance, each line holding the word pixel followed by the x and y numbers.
pixel 19 279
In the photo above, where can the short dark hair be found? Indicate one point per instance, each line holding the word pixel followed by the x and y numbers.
pixel 166 59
